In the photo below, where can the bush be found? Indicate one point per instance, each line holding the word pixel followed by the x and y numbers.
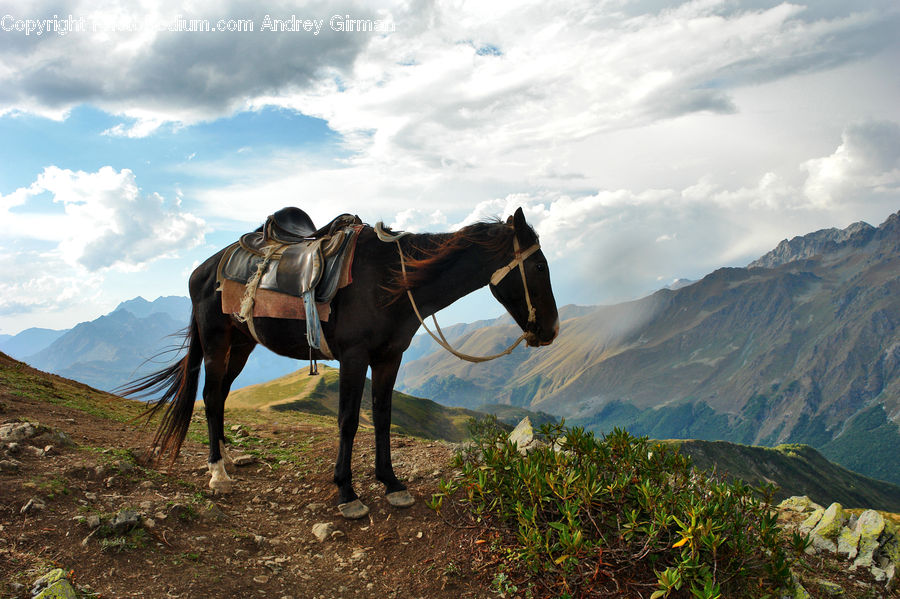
pixel 617 516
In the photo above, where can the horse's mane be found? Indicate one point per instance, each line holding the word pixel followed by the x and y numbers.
pixel 424 254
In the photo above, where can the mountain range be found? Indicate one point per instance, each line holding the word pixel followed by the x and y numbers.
pixel 132 340
pixel 800 346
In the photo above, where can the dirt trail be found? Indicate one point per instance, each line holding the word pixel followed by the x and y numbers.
pixel 257 541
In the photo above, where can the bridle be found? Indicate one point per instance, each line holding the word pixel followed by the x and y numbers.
pixel 518 261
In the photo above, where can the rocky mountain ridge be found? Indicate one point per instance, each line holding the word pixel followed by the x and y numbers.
pixel 807 351
pixel 120 346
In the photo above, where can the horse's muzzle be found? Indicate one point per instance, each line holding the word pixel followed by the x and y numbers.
pixel 536 339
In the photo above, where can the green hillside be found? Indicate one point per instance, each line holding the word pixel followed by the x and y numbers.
pixel 318 394
pixel 803 347
pixel 796 470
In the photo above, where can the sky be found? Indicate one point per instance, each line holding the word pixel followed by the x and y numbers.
pixel 646 140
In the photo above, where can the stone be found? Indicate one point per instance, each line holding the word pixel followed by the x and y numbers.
pixel 358 555
pixel 125 520
pixel 17 431
pixel 34 504
pixel 829 589
pixel 870 525
pixel 93 521
pixel 53 438
pixel 799 503
pixel 323 530
pixel 820 543
pixel 243 460
pixel 53 585
pixel 314 506
pixel 61 589
pixel 812 520
pixel 522 435
pixel 848 542
pixel 47 579
pixel 830 523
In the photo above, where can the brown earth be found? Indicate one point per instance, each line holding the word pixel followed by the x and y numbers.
pixel 257 541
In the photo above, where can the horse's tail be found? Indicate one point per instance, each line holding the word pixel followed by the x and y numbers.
pixel 178 385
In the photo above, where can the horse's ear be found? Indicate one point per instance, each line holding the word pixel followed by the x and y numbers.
pixel 524 233
pixel 519 218
pixel 509 220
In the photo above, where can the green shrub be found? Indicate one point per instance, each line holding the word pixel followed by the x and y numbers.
pixel 616 516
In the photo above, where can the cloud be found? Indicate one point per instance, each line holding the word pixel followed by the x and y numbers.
pixel 430 88
pixel 64 233
pixel 129 67
pixel 34 281
pixel 867 161
pixel 617 244
pixel 106 222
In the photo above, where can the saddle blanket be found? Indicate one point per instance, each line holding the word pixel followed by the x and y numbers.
pixel 268 304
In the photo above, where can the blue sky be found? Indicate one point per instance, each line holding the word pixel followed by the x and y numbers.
pixel 646 140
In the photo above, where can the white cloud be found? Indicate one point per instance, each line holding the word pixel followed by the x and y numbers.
pixel 34 281
pixel 106 221
pixel 867 161
pixel 56 253
pixel 617 244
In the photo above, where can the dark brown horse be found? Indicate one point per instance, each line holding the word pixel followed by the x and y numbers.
pixel 372 323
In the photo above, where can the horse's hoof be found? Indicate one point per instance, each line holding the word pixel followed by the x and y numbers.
pixel 401 498
pixel 353 510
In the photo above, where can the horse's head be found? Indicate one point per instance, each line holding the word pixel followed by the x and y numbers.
pixel 523 286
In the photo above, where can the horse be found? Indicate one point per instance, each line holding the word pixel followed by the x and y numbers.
pixel 370 326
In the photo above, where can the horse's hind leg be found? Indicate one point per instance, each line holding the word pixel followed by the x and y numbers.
pixel 237 359
pixel 223 362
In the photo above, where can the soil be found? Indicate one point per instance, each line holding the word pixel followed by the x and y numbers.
pixel 84 467
pixel 256 541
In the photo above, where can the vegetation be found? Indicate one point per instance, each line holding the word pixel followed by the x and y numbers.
pixel 610 516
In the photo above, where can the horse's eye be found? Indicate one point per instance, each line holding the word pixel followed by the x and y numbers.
pixel 540 266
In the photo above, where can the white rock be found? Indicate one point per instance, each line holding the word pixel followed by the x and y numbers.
pixel 323 530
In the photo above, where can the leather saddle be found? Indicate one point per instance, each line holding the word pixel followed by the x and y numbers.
pixel 296 257
pixel 293 225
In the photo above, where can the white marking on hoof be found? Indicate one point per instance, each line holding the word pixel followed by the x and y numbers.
pixel 401 498
pixel 220 481
pixel 353 510
pixel 229 463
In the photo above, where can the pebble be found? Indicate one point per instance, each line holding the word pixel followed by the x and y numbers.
pixel 323 530
pixel 34 504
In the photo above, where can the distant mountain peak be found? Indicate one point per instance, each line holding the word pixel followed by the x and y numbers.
pixel 679 283
pixel 819 242
pixel 178 307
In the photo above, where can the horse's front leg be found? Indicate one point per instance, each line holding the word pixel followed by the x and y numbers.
pixel 352 383
pixel 384 374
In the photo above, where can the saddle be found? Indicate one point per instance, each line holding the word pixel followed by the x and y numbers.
pixel 289 269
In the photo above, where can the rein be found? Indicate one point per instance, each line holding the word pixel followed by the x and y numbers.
pixel 498 276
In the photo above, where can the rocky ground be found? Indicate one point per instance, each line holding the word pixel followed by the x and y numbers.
pixel 77 496
pixel 74 496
